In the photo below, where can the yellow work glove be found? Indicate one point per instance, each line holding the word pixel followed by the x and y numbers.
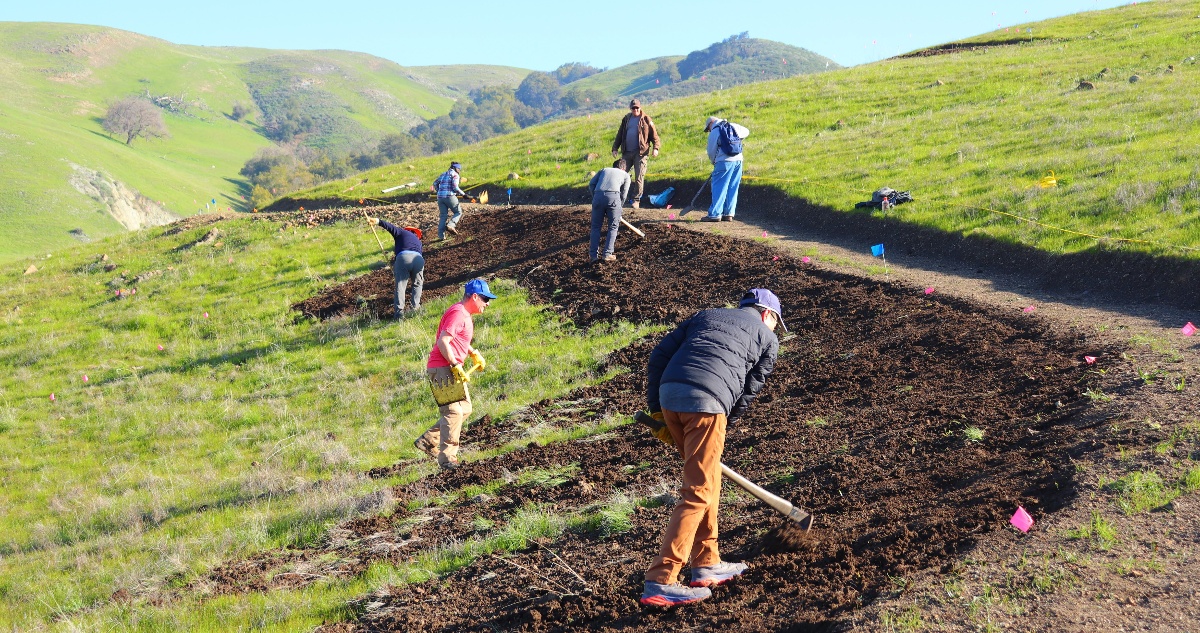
pixel 459 374
pixel 662 432
pixel 373 221
pixel 477 358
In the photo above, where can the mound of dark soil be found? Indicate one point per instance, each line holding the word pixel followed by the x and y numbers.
pixel 910 425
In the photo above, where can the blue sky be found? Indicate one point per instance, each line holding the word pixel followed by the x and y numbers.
pixel 542 35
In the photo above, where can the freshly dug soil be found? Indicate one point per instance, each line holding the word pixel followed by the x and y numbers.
pixel 910 425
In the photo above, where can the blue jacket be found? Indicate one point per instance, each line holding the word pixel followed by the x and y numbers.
pixel 405 240
pixel 725 352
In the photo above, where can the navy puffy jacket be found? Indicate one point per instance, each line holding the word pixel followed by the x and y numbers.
pixel 405 240
pixel 725 352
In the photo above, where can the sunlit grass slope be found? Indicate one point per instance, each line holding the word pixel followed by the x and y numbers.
pixel 57 80
pixel 968 133
pixel 145 439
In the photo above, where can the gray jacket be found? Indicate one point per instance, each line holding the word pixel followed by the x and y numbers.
pixel 714 152
pixel 610 179
pixel 724 353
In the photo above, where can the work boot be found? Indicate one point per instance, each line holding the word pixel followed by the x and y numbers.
pixel 449 466
pixel 611 257
pixel 727 218
pixel 659 595
pixel 709 219
pixel 718 574
pixel 425 446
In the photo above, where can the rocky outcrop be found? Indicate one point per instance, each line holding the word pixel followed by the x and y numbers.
pixel 133 210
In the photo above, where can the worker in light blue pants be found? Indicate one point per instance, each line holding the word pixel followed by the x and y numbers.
pixel 727 168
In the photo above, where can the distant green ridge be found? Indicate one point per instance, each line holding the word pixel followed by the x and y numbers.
pixel 57 80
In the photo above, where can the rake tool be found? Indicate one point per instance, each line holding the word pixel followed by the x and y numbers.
pixel 797 515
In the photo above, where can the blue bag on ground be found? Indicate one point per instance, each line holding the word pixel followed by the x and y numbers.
pixel 661 200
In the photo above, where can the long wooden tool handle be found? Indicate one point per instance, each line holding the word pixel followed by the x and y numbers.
pixel 632 228
pixel 784 506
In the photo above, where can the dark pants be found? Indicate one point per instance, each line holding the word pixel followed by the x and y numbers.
pixel 637 164
pixel 408 265
pixel 606 216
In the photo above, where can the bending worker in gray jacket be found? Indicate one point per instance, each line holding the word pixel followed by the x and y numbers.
pixel 701 376
pixel 608 188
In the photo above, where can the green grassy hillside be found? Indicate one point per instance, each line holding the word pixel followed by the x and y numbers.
pixel 463 78
pixel 626 80
pixel 970 133
pixel 57 81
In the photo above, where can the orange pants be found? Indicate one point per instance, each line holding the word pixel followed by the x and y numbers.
pixel 692 532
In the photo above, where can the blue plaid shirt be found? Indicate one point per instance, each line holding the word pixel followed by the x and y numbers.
pixel 447 185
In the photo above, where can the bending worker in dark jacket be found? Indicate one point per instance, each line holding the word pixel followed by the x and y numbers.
pixel 608 188
pixel 409 264
pixel 700 376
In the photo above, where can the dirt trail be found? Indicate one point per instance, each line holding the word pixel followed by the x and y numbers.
pixel 866 421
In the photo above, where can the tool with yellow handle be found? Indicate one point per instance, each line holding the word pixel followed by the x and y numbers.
pixel 798 516
pixel 454 389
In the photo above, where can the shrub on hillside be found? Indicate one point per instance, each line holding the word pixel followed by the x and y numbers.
pixel 132 117
pixel 577 98
pixel 240 111
pixel 540 91
pixel 574 71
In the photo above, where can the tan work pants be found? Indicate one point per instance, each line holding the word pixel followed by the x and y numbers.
pixel 692 532
pixel 637 163
pixel 445 433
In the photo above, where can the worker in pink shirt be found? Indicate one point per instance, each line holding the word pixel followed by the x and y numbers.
pixel 452 347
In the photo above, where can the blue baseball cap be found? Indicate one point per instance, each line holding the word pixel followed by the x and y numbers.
pixel 480 287
pixel 763 298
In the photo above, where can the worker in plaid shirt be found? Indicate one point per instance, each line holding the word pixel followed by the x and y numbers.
pixel 447 196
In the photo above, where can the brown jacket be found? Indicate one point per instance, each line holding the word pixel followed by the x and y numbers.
pixel 647 135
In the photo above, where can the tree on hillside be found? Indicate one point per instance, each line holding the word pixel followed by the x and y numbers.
pixel 240 110
pixel 541 91
pixel 574 71
pixel 667 71
pixel 723 52
pixel 398 147
pixel 132 117
pixel 577 98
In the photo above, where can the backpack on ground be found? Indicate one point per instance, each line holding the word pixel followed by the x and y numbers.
pixel 727 139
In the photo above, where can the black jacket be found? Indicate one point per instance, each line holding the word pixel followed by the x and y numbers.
pixel 725 352
pixel 405 240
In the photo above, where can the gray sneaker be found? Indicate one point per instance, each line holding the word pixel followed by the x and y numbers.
pixel 718 574
pixel 659 595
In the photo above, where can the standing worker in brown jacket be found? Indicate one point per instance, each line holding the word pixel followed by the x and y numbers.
pixel 637 139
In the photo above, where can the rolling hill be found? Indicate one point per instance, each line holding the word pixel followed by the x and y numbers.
pixel 1101 99
pixel 732 62
pixel 60 173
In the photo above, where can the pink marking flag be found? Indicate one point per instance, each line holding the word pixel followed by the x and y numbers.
pixel 52 398
pixel 160 348
pixel 85 378
pixel 764 233
pixel 206 315
pixel 670 216
pixel 1188 329
pixel 1029 309
pixel 775 258
pixel 1091 360
pixel 929 290
pixel 1021 520
pixel 668 206
pixel 806 259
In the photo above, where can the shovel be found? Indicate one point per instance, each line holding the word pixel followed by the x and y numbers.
pixel 692 204
pixel 798 516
